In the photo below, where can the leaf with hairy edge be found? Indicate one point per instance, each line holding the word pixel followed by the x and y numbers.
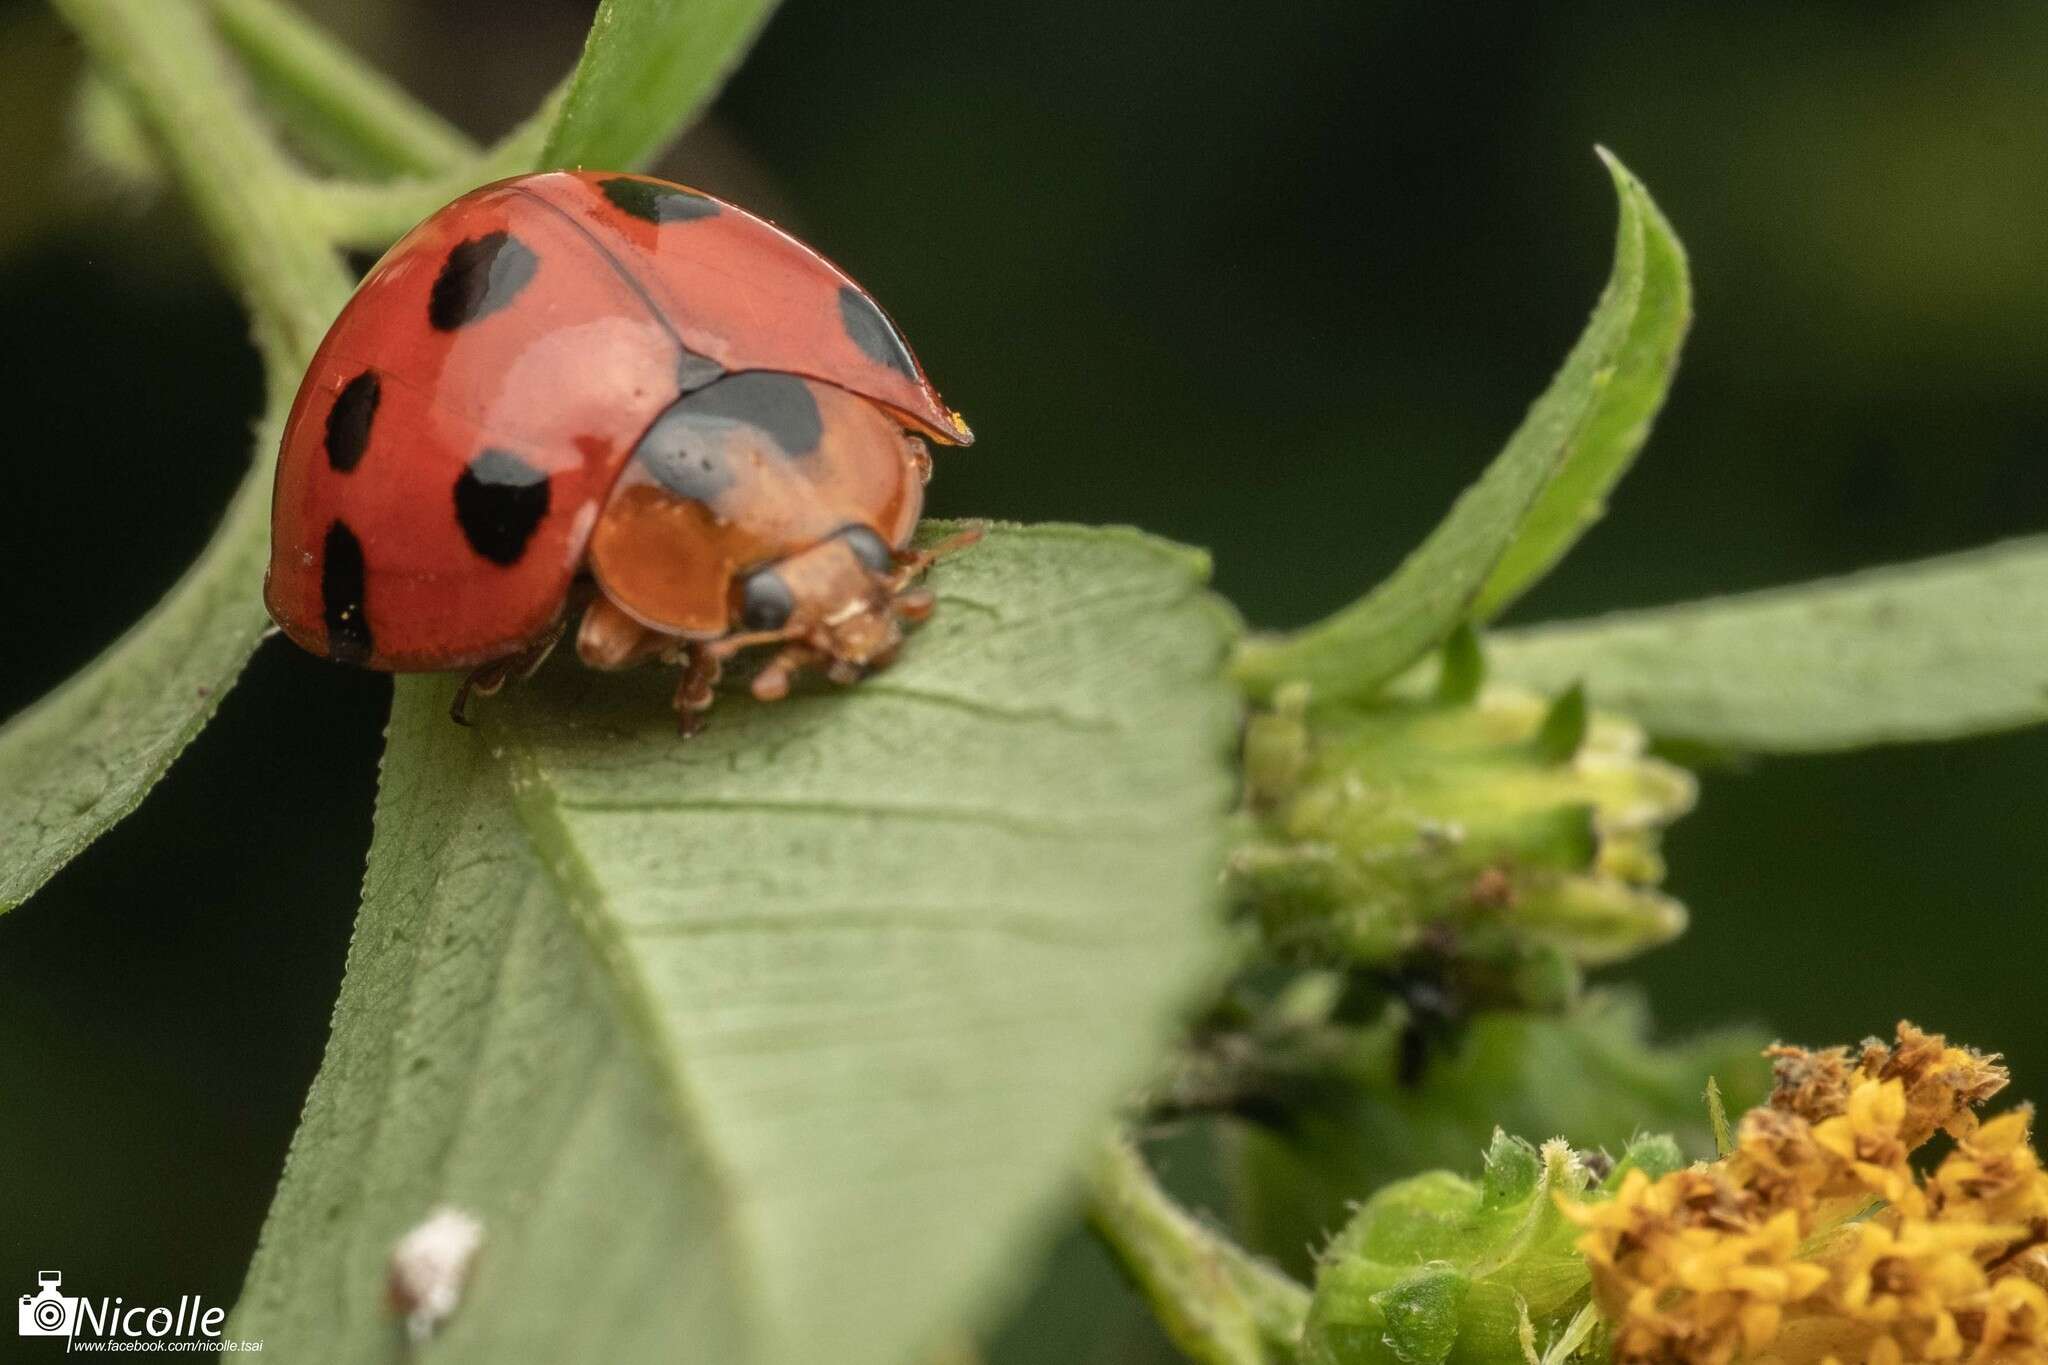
pixel 648 68
pixel 84 756
pixel 771 1046
pixel 1930 650
pixel 1573 432
pixel 1619 423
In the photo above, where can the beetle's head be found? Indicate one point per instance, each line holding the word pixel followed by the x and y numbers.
pixel 841 604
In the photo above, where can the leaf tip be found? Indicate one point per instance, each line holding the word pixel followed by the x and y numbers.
pixel 1625 179
pixel 1564 727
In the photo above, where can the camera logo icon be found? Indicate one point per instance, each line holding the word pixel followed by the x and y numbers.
pixel 46 1313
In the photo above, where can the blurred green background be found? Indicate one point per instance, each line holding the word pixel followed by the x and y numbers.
pixel 1273 280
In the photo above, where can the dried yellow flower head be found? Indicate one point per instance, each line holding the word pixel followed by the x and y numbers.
pixel 1940 1084
pixel 1815 1241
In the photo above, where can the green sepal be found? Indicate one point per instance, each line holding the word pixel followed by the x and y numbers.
pixel 1654 1154
pixel 1440 1270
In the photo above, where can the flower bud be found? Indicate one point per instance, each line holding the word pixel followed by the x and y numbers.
pixel 1438 1264
pixel 1484 824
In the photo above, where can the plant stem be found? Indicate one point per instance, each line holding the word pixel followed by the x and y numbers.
pixel 339 104
pixel 357 214
pixel 1219 1304
pixel 169 64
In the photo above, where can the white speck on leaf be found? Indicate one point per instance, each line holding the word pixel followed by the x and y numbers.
pixel 429 1267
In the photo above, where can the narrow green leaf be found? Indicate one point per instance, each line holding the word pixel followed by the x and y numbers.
pixel 771 1046
pixel 1717 1119
pixel 84 756
pixel 1462 670
pixel 1619 422
pixel 649 68
pixel 1930 650
pixel 1572 429
pixel 1564 727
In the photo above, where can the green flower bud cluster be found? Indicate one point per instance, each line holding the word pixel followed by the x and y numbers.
pixel 1442 1270
pixel 1483 824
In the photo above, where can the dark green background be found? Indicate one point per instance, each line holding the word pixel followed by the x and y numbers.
pixel 1271 279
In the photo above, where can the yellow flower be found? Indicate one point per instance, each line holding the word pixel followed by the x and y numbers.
pixel 1685 1269
pixel 2011 1324
pixel 1815 1242
pixel 1993 1175
pixel 1909 1282
pixel 1779 1159
pixel 1866 1137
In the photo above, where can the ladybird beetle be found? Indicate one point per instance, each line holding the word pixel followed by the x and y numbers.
pixel 605 400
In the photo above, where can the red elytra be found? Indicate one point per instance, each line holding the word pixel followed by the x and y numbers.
pixel 603 393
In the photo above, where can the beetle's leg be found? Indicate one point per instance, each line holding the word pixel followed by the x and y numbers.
pixel 772 682
pixel 609 639
pixel 697 688
pixel 920 457
pixel 483 681
pixel 486 680
pixel 914 604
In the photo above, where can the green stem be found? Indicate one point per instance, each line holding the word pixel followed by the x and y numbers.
pixel 168 63
pixel 340 107
pixel 355 214
pixel 1219 1304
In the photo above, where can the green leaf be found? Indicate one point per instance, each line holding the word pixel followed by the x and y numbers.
pixel 1717 1119
pixel 1619 423
pixel 1576 440
pixel 774 1045
pixel 1462 670
pixel 1929 650
pixel 648 68
pixel 84 756
pixel 1563 731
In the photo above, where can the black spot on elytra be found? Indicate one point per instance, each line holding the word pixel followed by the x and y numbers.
pixel 874 334
pixel 779 404
pixel 499 500
pixel 479 277
pixel 870 549
pixel 341 596
pixel 658 203
pixel 348 421
pixel 766 602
